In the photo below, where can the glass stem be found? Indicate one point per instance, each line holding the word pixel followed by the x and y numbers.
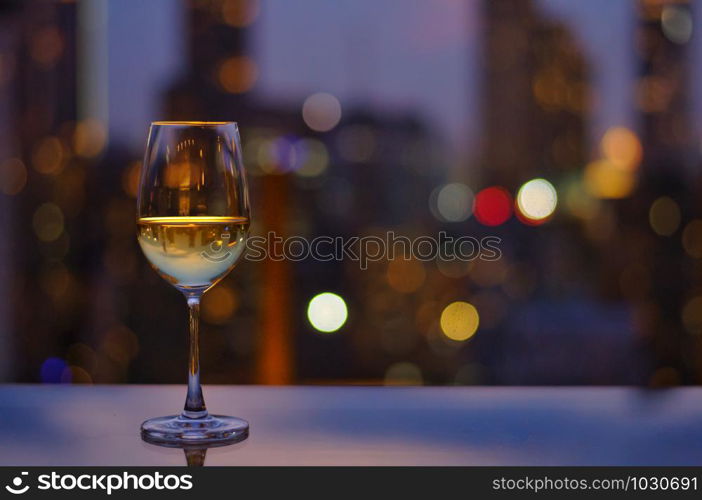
pixel 194 402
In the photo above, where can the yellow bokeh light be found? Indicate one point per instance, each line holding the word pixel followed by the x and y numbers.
pixel 403 373
pixel 237 74
pixel 579 202
pixel 219 304
pixel 327 312
pixel 537 199
pixel 76 375
pixel 622 147
pixel 664 216
pixel 13 176
pixel 89 138
pixel 47 156
pixel 604 179
pixel 316 158
pixel 120 344
pixel 321 112
pixel 48 222
pixel 459 321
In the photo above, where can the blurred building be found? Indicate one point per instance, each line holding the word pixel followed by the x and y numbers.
pixel 43 181
pixel 663 99
pixel 536 95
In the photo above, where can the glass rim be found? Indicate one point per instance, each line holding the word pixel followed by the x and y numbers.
pixel 162 123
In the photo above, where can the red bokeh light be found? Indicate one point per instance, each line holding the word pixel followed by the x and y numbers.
pixel 493 206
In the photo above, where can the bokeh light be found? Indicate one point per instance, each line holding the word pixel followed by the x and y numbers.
pixel 51 370
pixel 493 206
pixel 46 46
pixel 459 321
pixel 89 138
pixel 327 312
pixel 579 202
pixel 219 304
pixel 48 155
pixel 48 222
pixel 608 180
pixel 315 158
pixel 622 147
pixel 321 112
pixel 261 151
pixel 237 75
pixel 76 375
pixel 285 153
pixel 13 176
pixel 454 202
pixel 403 373
pixel 664 216
pixel 677 24
pixel 120 344
pixel 537 200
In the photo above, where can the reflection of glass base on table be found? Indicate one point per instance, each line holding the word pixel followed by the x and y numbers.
pixel 181 430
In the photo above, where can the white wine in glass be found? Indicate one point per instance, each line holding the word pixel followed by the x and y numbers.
pixel 191 252
pixel 192 224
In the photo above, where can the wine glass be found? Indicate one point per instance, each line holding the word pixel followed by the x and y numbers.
pixel 192 225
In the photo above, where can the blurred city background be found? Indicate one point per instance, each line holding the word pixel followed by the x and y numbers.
pixel 360 117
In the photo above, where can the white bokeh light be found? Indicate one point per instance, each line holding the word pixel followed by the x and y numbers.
pixel 327 312
pixel 537 199
pixel 321 112
pixel 454 202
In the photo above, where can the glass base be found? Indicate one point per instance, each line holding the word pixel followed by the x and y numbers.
pixel 180 430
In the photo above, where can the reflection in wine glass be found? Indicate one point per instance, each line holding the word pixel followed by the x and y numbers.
pixel 192 225
pixel 195 454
